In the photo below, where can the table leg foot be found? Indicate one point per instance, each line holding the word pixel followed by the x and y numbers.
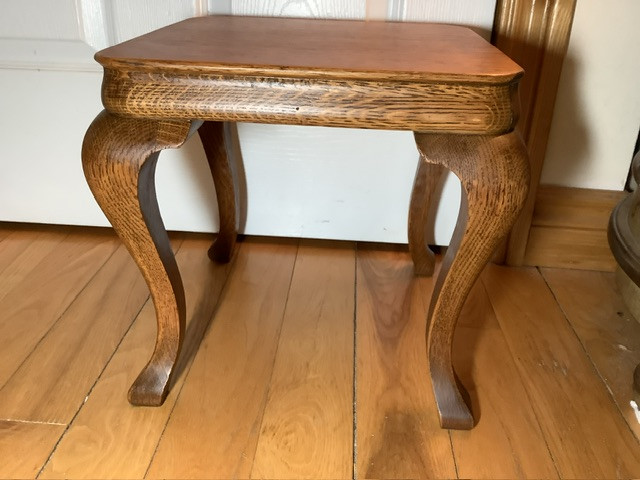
pixel 119 158
pixel 212 136
pixel 424 186
pixel 494 173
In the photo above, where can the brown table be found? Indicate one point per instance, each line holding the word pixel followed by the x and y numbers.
pixel 445 83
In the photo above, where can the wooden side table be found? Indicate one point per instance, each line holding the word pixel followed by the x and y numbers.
pixel 453 89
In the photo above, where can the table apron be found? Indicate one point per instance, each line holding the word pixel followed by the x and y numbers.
pixel 468 108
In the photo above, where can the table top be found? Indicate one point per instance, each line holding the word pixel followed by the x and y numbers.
pixel 316 48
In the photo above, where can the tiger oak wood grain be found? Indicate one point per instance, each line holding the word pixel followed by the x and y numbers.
pixel 307 426
pixel 396 432
pixel 494 174
pixel 119 158
pixel 109 438
pixel 586 434
pixel 224 394
pixel 429 78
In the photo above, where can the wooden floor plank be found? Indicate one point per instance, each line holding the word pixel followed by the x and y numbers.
pixel 608 332
pixel 307 428
pixel 587 436
pixel 34 304
pixel 397 430
pixel 22 251
pixel 5 230
pixel 507 441
pixel 213 429
pixel 52 383
pixel 24 447
pixel 109 438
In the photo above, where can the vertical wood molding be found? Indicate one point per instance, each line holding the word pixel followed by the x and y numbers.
pixel 534 33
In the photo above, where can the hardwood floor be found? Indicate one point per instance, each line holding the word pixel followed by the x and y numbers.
pixel 305 359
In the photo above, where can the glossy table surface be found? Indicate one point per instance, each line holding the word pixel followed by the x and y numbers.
pixel 308 48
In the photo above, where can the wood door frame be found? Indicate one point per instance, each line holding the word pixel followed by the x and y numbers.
pixel 534 33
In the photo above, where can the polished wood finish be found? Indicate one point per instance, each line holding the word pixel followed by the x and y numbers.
pixel 494 173
pixel 607 329
pixel 511 325
pixel 232 372
pixel 307 425
pixel 573 406
pixel 287 71
pixel 535 34
pixel 455 90
pixel 508 441
pixel 62 275
pixel 310 49
pixel 31 393
pixel 213 140
pixel 119 158
pixel 569 228
pixel 25 447
pixel 397 431
pixel 425 183
pixel 106 414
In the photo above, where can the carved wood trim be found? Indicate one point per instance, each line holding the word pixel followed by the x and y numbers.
pixel 534 33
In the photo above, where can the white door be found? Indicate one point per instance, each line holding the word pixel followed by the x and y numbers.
pixel 301 181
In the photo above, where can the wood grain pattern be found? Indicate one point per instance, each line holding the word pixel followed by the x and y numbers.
pixel 119 157
pixel 25 447
pixel 224 396
pixel 494 174
pixel 582 249
pixel 512 382
pixel 421 206
pixel 536 35
pixel 507 441
pixel 111 439
pixel 427 78
pixel 376 75
pixel 569 228
pixel 609 334
pixel 22 252
pixel 400 105
pixel 307 426
pixel 397 432
pixel 52 383
pixel 572 405
pixel 574 207
pixel 58 278
pixel 215 148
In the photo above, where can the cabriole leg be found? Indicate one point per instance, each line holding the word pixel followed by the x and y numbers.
pixel 424 186
pixel 119 158
pixel 494 173
pixel 212 136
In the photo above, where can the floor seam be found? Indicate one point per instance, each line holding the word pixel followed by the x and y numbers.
pixel 586 352
pixel 62 314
